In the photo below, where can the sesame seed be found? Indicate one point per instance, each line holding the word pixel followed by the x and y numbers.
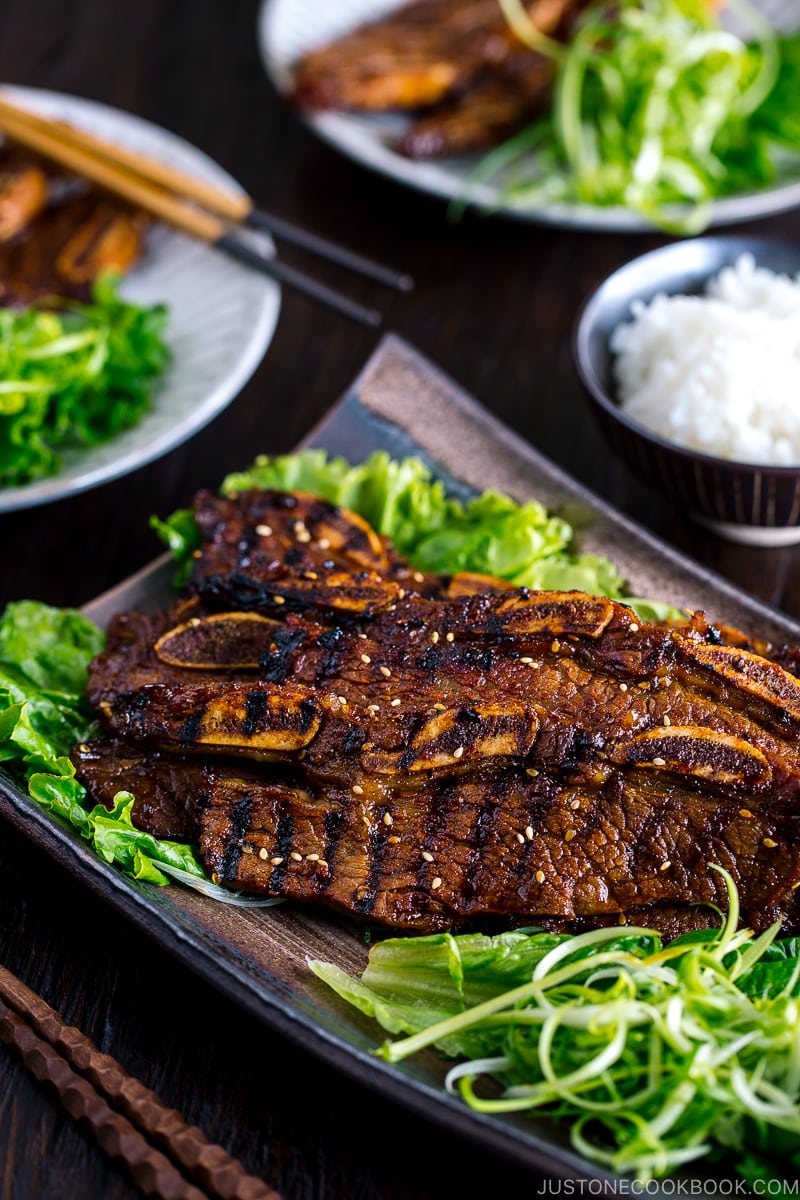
pixel 418 577
pixel 84 749
pixel 435 637
pixel 569 835
pixel 385 671
pixel 276 861
pixel 297 857
pixel 575 804
pixel 540 876
pixel 555 646
pixel 312 575
pixel 634 628
pixel 667 720
pixel 768 842
pixel 531 771
pixel 357 789
pixel 312 857
pixel 436 882
pixel 263 853
pixel 365 658
pixel 401 593
pixel 388 819
pixel 426 854
pixel 373 708
pixel 303 536
pixel 342 699
pixel 440 707
pixel 396 701
pixel 324 543
pixel 527 661
pixel 459 752
pixel 247 849
pixel 623 687
pixel 659 762
pixel 363 637
pixel 323 862
pixel 450 637
pixel 278 600
pixel 264 530
pixel 529 832
pixel 665 866
pixel 521 838
pixel 393 839
pixel 745 812
pixel 623 920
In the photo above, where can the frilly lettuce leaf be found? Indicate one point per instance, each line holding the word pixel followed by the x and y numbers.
pixel 44 656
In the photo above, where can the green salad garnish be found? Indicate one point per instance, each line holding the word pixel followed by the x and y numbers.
pixel 44 712
pixel 651 1055
pixel 490 534
pixel 659 106
pixel 74 376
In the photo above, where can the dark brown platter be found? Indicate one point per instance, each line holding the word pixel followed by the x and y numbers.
pixel 401 403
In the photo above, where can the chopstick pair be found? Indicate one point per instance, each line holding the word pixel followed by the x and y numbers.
pixel 164 1155
pixel 202 210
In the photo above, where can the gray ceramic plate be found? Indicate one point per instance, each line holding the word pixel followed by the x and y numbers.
pixel 402 404
pixel 222 315
pixel 287 29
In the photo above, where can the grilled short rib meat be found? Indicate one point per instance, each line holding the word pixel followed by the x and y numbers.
pixel 456 65
pixel 421 755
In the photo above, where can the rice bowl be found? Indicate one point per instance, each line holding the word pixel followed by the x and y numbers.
pixel 717 372
pixel 757 503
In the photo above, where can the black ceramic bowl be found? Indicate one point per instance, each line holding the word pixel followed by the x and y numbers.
pixel 759 505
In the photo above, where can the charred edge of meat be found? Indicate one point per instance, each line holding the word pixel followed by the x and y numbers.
pixel 348 598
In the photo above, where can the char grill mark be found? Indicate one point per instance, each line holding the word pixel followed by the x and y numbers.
pixel 450 755
pixel 239 827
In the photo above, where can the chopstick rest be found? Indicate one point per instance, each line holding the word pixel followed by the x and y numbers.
pixel 155 1143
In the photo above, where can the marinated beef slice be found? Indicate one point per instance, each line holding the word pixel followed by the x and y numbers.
pixel 349 734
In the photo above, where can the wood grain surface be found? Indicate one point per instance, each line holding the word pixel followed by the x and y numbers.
pixel 494 305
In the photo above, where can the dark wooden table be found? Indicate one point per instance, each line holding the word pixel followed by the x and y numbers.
pixel 494 305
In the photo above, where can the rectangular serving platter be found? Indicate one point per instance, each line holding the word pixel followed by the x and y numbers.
pixel 405 405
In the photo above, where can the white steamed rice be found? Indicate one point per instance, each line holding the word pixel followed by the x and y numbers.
pixel 719 373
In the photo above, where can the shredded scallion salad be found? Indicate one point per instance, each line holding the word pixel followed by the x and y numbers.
pixel 659 106
pixel 651 1055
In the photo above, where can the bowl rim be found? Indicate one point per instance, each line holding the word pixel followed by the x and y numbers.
pixel 584 321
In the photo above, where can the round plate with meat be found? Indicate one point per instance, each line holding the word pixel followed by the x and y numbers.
pixel 220 316
pixel 449 94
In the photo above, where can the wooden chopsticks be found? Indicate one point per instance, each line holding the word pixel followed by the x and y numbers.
pixel 164 1155
pixel 195 207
